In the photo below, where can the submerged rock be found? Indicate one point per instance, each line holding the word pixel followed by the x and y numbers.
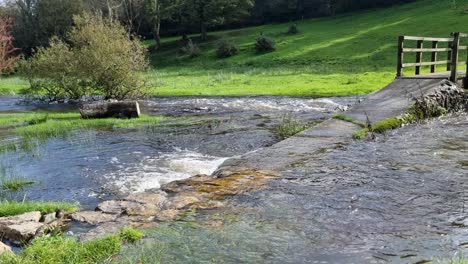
pixel 158 198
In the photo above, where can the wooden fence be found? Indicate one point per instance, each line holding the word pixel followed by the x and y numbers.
pixel 451 46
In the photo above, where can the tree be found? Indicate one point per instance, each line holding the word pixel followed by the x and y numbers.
pixel 215 12
pixel 97 57
pixel 156 11
pixel 7 50
pixel 36 21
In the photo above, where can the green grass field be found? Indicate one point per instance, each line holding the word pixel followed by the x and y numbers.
pixel 344 55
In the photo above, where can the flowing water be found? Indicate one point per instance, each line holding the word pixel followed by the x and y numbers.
pixel 198 136
pixel 400 198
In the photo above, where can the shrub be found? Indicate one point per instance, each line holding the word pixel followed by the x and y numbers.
pixel 227 49
pixel 265 44
pixel 97 57
pixel 191 49
pixel 293 29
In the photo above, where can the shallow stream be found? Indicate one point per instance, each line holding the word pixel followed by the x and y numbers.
pixel 401 198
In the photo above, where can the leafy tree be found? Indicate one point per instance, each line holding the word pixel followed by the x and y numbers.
pixel 215 12
pixel 36 21
pixel 7 50
pixel 97 57
pixel 156 11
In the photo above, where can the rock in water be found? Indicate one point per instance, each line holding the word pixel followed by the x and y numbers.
pixel 92 217
pixel 126 109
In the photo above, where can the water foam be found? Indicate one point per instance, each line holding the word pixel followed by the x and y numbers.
pixel 152 172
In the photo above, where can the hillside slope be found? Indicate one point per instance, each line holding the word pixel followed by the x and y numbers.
pixel 344 55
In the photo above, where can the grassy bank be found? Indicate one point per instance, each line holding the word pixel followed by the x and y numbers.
pixel 10 208
pixel 345 55
pixel 31 127
pixel 67 250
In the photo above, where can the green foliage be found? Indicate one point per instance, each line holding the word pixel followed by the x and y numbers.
pixel 39 127
pixel 292 30
pixel 65 250
pixel 227 49
pixel 98 57
pixel 207 13
pixel 318 62
pixel 130 235
pixel 190 49
pixel 289 127
pixel 36 21
pixel 10 208
pixel 11 182
pixel 387 124
pixel 15 184
pixel 264 44
pixel 360 134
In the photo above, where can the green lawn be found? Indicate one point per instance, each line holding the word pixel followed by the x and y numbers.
pixel 345 55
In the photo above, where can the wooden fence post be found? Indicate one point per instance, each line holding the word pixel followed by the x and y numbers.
pixel 455 50
pixel 434 56
pixel 401 40
pixel 419 56
pixel 449 56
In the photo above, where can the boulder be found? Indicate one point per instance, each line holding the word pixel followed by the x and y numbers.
pixel 128 208
pixel 26 217
pixel 93 217
pixel 48 218
pixel 115 207
pixel 21 228
pixel 23 232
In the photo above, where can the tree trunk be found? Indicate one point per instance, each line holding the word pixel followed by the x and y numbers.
pixel 157 35
pixel 204 32
pixel 127 109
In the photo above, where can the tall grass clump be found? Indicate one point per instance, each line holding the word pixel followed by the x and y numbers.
pixel 10 182
pixel 289 127
pixel 59 249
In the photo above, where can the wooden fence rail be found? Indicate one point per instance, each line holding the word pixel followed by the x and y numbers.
pixel 452 48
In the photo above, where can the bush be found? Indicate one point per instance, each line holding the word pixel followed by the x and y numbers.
pixel 98 57
pixel 227 49
pixel 293 29
pixel 265 44
pixel 191 49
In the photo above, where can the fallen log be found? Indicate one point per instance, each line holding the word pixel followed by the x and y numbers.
pixel 127 109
